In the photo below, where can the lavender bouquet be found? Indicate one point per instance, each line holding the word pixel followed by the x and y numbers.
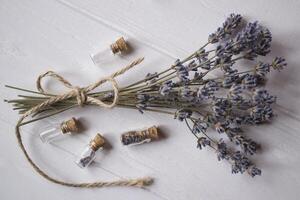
pixel 225 103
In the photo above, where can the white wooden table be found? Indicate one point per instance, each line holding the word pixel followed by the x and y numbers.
pixel 36 36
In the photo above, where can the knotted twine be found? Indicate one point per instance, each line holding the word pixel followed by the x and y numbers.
pixel 83 98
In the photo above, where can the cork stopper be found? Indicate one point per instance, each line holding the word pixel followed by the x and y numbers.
pixel 119 46
pixel 70 125
pixel 97 142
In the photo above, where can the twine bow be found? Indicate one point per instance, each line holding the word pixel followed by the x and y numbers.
pixel 83 98
pixel 81 93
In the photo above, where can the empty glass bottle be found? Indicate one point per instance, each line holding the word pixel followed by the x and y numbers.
pixel 89 152
pixel 53 131
pixel 106 54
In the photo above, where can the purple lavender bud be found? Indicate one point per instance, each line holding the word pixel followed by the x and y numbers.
pixel 228 81
pixel 166 87
pixel 188 94
pixel 224 62
pixel 219 111
pixel 240 163
pixel 183 114
pixel 198 76
pixel 109 95
pixel 220 107
pixel 253 39
pixel 262 69
pixel 222 152
pixel 220 50
pixel 205 64
pixel 249 81
pixel 181 71
pixel 192 66
pixel 261 113
pixel 261 96
pixel 202 58
pixel 151 78
pixel 225 49
pixel 151 75
pixel 254 171
pixel 203 142
pixel 247 145
pixel 279 63
pixel 221 127
pixel 228 27
pixel 199 126
pixel 208 90
pixel 234 94
pixel 235 90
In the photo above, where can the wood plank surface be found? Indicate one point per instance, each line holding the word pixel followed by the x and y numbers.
pixel 60 35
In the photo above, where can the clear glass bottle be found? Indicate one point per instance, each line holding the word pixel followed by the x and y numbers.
pixel 106 54
pixel 139 136
pixel 56 130
pixel 89 153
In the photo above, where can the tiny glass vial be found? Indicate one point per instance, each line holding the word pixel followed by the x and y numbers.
pixel 89 153
pixel 105 55
pixel 56 130
pixel 139 136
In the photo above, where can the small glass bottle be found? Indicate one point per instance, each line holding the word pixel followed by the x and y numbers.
pixel 54 131
pixel 139 136
pixel 89 152
pixel 106 55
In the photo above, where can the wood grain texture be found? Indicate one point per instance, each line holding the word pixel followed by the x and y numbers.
pixel 36 36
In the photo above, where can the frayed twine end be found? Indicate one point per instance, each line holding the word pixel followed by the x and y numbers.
pixel 145 182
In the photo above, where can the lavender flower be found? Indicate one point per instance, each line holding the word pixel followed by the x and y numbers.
pixel 108 95
pixel 262 69
pixel 202 58
pixel 192 66
pixel 183 114
pixel 254 39
pixel 151 78
pixel 199 126
pixel 235 90
pixel 221 107
pixel 248 146
pixel 228 27
pixel 166 87
pixel 221 127
pixel 222 151
pixel 230 78
pixel 224 61
pixel 254 171
pixel 208 90
pixel 261 113
pixel 261 96
pixel 142 101
pixel 188 94
pixel 279 63
pixel 202 142
pixel 182 71
pixel 249 81
pixel 225 49
pixel 240 163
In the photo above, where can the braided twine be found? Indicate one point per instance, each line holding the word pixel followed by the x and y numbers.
pixel 82 98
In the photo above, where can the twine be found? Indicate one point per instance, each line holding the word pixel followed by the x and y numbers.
pixel 82 97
